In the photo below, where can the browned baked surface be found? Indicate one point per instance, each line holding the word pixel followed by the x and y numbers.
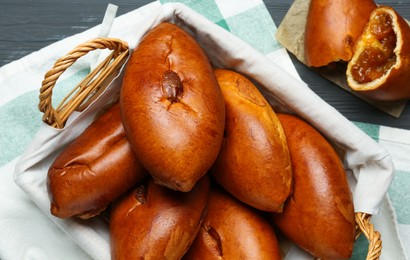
pixel 154 222
pixel 233 230
pixel 254 163
pixel 172 107
pixel 96 168
pixel 332 28
pixel 319 215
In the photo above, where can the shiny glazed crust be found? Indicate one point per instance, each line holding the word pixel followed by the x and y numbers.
pixel 319 215
pixel 96 168
pixel 395 84
pixel 254 162
pixel 172 107
pixel 332 28
pixel 233 230
pixel 154 222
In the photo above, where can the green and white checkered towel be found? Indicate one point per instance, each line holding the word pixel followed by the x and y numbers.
pixel 397 142
pixel 28 233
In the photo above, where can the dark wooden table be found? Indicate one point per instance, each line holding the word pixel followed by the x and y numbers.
pixel 29 25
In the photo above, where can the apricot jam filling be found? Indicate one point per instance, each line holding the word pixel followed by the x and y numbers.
pixel 377 56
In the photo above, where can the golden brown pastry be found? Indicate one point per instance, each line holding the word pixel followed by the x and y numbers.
pixel 319 215
pixel 172 107
pixel 233 230
pixel 380 67
pixel 254 163
pixel 332 28
pixel 92 171
pixel 154 222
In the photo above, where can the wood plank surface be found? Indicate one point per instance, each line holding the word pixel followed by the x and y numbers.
pixel 29 25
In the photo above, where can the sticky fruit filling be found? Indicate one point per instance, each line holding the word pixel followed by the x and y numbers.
pixel 377 56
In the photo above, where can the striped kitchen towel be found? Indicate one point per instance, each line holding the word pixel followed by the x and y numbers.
pixel 397 210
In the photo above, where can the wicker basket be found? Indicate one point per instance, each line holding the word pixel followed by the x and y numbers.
pixel 98 79
pixel 89 88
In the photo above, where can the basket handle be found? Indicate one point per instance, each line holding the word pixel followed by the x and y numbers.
pixel 375 242
pixel 89 88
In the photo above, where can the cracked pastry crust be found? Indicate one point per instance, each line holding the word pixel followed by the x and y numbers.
pixel 172 108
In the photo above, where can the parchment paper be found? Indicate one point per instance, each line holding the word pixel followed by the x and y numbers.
pixel 291 35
